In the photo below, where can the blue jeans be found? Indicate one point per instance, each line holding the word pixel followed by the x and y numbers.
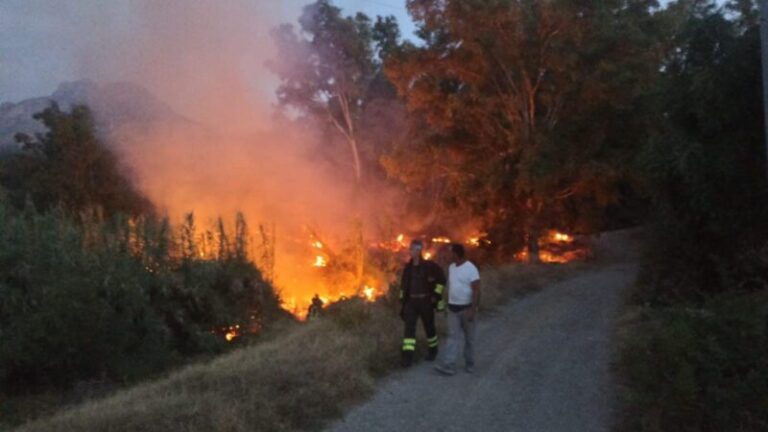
pixel 459 328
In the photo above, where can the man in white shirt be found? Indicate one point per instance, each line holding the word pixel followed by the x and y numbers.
pixel 463 301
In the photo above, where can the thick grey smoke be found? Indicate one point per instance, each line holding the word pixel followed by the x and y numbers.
pixel 206 59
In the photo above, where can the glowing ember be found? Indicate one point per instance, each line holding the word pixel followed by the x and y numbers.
pixel 427 255
pixel 320 262
pixel 369 293
pixel 558 247
pixel 317 245
pixel 474 241
pixel 444 240
pixel 232 333
pixel 400 238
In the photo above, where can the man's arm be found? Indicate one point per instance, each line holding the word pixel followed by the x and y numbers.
pixel 402 284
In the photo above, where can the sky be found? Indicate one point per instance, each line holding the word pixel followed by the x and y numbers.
pixel 46 42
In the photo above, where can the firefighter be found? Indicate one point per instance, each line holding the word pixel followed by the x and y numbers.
pixel 315 308
pixel 421 293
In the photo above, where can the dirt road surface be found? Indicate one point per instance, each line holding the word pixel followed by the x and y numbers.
pixel 542 365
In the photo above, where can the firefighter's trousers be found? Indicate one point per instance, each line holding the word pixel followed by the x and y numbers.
pixel 413 309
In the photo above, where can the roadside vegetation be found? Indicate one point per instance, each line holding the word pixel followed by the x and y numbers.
pixel 95 291
pixel 694 354
pixel 299 378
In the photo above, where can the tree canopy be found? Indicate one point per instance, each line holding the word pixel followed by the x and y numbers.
pixel 69 166
pixel 534 108
pixel 331 71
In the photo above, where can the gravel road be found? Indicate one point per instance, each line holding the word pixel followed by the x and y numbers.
pixel 542 366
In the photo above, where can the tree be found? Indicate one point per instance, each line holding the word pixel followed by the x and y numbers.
pixel 534 108
pixel 69 166
pixel 705 163
pixel 764 44
pixel 332 71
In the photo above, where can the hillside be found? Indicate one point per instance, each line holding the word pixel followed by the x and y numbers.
pixel 116 105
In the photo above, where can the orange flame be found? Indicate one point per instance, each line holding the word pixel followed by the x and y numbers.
pixel 320 262
pixel 232 333
pixel 369 293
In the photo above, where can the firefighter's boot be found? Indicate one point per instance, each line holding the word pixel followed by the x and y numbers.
pixel 409 349
pixel 432 354
pixel 407 359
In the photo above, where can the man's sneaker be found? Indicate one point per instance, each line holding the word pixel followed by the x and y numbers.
pixel 469 369
pixel 445 370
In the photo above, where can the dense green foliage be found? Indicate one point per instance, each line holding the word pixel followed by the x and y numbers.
pixel 698 369
pixel 694 358
pixel 114 299
pixel 705 165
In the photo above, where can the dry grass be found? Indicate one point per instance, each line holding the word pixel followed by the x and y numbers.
pixel 298 381
pixel 512 281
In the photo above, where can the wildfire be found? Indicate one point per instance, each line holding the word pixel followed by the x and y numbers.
pixel 320 262
pixel 478 241
pixel 557 248
pixel 369 293
pixel 232 333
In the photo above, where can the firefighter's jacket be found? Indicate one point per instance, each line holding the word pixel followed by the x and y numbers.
pixel 435 283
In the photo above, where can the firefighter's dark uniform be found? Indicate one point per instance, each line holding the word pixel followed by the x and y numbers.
pixel 421 292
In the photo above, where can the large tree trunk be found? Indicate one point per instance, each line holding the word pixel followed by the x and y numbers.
pixel 356 159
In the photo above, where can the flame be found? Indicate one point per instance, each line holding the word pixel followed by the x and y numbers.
pixel 444 240
pixel 400 238
pixel 369 293
pixel 317 245
pixel 232 333
pixel 557 248
pixel 320 262
pixel 474 241
pixel 561 237
pixel 427 255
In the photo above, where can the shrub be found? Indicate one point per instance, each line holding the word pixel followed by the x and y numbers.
pixel 94 299
pixel 698 369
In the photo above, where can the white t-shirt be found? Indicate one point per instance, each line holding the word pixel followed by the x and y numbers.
pixel 460 280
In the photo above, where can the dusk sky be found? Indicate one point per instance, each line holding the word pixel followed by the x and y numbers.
pixel 45 42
